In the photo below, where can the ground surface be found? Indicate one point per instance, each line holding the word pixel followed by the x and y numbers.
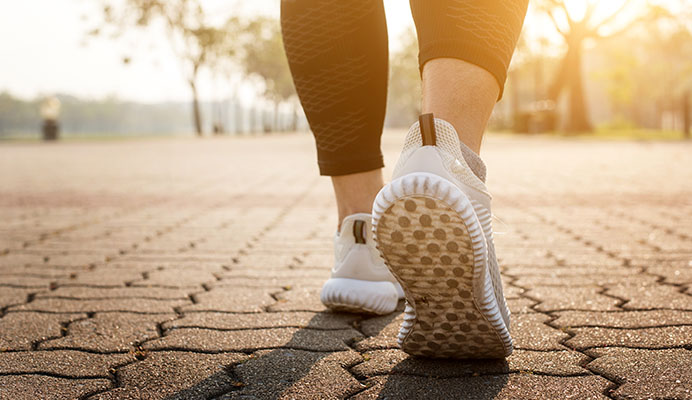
pixel 191 269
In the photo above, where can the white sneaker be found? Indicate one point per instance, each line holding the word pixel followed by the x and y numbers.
pixel 360 281
pixel 433 227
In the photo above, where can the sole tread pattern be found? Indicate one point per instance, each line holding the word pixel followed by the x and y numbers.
pixel 431 242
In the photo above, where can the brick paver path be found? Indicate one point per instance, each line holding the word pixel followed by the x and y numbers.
pixel 190 269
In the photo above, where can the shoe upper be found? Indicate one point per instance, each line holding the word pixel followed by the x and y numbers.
pixel 356 256
pixel 446 160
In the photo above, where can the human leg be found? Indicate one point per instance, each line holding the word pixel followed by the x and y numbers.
pixel 355 192
pixel 338 55
pixel 465 50
pixel 433 221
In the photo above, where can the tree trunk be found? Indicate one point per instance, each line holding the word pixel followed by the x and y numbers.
pixel 294 120
pixel 578 119
pixel 686 113
pixel 558 82
pixel 569 76
pixel 196 114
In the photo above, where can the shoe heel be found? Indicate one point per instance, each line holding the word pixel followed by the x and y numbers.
pixel 358 296
pixel 428 233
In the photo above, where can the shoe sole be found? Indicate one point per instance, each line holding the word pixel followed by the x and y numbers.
pixel 428 233
pixel 358 296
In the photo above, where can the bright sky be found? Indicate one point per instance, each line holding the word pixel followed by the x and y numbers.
pixel 44 49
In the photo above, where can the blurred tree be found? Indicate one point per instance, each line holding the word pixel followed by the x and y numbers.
pixel 649 72
pixel 576 30
pixel 620 81
pixel 665 70
pixel 196 43
pixel 403 99
pixel 263 56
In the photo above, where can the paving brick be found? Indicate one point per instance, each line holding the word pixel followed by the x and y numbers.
pixel 208 340
pixel 325 261
pixel 676 273
pixel 14 260
pixel 581 279
pixel 85 292
pixel 68 363
pixel 521 306
pixel 588 258
pixel 297 374
pixel 177 278
pixel 104 277
pixel 299 299
pixel 654 338
pixel 647 296
pixel 646 373
pixel 381 332
pixel 258 260
pixel 31 387
pixel 232 300
pixel 530 332
pixel 217 320
pixel 10 296
pixel 525 272
pixel 537 257
pixel 386 362
pixel 623 319
pixel 26 281
pixel 511 292
pixel 111 230
pixel 278 273
pixel 571 298
pixel 109 332
pixel 176 375
pixel 268 282
pixel 512 386
pixel 102 305
pixel 18 330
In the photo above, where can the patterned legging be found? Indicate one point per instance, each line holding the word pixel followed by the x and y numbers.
pixel 338 55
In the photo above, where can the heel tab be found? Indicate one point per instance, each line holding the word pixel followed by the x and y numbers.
pixel 359 231
pixel 426 122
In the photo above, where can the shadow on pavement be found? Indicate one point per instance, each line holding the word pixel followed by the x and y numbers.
pixel 415 378
pixel 313 363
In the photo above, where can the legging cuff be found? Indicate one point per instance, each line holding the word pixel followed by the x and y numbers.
pixel 465 50
pixel 349 164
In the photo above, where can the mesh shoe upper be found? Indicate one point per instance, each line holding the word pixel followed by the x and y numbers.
pixel 449 150
pixel 356 260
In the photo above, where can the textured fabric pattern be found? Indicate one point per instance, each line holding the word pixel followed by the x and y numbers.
pixel 450 152
pixel 474 161
pixel 482 32
pixel 337 52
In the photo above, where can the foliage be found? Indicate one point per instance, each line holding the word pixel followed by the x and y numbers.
pixel 403 99
pixel 575 30
pixel 196 43
pixel 651 66
pixel 264 57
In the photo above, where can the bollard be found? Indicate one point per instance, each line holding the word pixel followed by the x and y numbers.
pixel 50 111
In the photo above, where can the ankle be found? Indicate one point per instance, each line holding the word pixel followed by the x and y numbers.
pixel 355 193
